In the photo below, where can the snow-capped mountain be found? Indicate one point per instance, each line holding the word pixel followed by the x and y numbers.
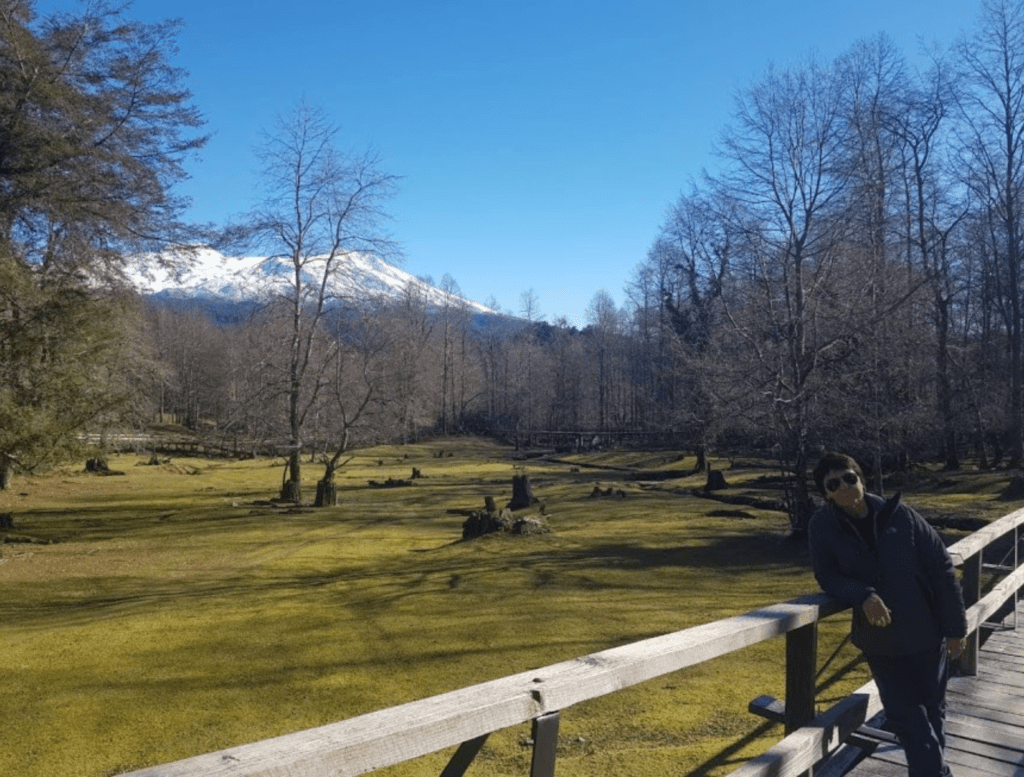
pixel 210 275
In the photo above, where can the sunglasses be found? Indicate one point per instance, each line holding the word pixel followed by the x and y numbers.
pixel 832 484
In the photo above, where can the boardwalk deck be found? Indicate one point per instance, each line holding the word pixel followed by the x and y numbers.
pixel 985 718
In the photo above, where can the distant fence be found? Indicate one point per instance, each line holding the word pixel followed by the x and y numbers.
pixel 590 439
pixel 190 445
pixel 466 717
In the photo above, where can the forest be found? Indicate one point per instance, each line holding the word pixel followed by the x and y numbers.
pixel 847 277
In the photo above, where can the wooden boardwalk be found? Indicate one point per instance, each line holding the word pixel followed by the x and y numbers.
pixel 985 718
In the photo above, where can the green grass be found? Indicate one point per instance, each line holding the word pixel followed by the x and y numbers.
pixel 173 610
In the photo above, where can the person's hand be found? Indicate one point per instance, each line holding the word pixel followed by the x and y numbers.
pixel 876 612
pixel 957 646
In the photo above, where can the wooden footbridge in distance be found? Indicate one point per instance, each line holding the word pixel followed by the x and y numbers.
pixel 985 718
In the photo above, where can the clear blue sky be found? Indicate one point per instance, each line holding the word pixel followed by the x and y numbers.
pixel 540 143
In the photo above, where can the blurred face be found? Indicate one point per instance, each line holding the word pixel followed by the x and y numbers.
pixel 845 488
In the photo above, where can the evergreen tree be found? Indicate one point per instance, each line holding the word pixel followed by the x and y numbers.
pixel 94 131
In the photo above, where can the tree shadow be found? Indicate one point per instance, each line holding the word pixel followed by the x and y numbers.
pixel 727 757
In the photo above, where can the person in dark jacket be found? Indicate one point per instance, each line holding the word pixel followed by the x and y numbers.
pixel 890 566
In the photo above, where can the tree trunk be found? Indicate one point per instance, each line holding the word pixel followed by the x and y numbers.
pixel 522 494
pixel 291 489
pixel 945 390
pixel 702 460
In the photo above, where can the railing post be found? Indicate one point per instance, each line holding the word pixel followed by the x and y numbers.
pixel 801 672
pixel 1016 562
pixel 545 743
pixel 971 585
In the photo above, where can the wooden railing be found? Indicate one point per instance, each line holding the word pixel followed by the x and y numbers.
pixel 466 717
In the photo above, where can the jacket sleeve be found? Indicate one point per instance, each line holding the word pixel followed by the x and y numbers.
pixel 823 539
pixel 940 574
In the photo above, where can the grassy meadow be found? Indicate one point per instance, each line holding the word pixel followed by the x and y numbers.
pixel 173 609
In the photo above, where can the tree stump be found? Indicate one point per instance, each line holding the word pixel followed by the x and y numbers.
pixel 716 481
pixel 326 494
pixel 291 491
pixel 522 494
pixel 97 465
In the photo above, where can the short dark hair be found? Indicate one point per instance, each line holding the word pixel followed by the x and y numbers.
pixel 834 461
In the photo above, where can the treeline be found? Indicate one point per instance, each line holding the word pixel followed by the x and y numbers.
pixel 848 277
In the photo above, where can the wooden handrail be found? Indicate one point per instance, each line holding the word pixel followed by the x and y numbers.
pixel 975 543
pixel 397 734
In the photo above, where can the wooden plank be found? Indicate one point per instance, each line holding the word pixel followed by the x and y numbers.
pixel 1005 657
pixel 989 716
pixel 994 599
pixel 976 542
pixel 998 646
pixel 1002 670
pixel 983 749
pixel 1010 653
pixel 1010 681
pixel 959 761
pixel 978 757
pixel 988 707
pixel 964 727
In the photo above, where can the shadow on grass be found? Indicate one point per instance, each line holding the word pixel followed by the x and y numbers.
pixel 728 756
pixel 141 518
pixel 454 569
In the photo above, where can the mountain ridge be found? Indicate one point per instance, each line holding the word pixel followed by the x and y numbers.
pixel 210 275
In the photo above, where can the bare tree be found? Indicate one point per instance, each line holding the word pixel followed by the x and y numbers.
pixel 411 331
pixel 529 306
pixel 693 253
pixel 934 209
pixel 993 156
pixel 322 209
pixel 355 395
pixel 604 327
pixel 785 186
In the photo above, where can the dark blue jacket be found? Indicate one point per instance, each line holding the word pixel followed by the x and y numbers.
pixel 910 570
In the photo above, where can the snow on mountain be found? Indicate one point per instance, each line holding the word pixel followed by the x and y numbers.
pixel 211 275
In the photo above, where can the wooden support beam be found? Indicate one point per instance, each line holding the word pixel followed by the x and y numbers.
pixel 768 707
pixel 801 672
pixel 545 745
pixel 971 583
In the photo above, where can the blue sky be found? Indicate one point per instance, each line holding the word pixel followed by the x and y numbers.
pixel 539 143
